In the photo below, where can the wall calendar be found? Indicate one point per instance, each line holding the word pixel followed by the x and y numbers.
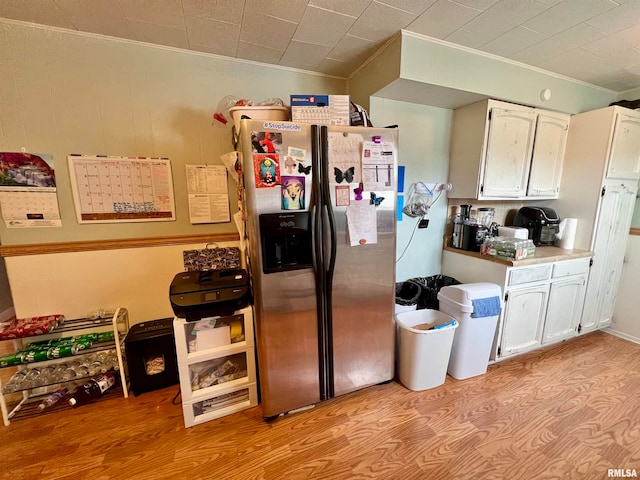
pixel 110 189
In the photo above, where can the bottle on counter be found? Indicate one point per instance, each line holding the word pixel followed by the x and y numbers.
pixel 93 388
pixel 54 398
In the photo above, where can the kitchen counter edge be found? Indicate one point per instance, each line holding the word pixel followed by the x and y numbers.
pixel 542 255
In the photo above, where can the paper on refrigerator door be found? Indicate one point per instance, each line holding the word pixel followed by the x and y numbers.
pixel 377 166
pixel 345 161
pixel 362 223
pixel 233 162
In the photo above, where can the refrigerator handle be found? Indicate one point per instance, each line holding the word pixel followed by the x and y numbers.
pixel 326 201
pixel 316 213
pixel 330 267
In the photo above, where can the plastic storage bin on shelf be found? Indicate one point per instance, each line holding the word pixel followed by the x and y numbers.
pixel 476 307
pixel 425 338
pixel 259 112
pixel 216 365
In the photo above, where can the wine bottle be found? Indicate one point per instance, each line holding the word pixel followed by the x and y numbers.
pixel 94 388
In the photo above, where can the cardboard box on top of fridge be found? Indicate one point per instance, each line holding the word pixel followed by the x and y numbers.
pixel 321 109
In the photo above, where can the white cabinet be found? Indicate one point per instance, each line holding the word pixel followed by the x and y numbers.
pixel 508 153
pixel 624 156
pixel 216 365
pixel 542 302
pixel 548 154
pixel 598 187
pixel 501 150
pixel 616 210
pixel 566 300
pixel 523 319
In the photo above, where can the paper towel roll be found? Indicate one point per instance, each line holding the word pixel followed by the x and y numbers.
pixel 567 235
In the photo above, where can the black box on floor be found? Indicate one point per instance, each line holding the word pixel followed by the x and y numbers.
pixel 150 349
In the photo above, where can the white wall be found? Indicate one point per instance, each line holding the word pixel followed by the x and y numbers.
pixel 424 151
pixel 76 284
pixel 626 318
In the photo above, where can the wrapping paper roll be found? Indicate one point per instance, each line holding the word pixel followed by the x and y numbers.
pixel 567 235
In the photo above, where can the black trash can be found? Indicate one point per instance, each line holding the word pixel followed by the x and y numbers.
pixel 430 288
pixel 407 295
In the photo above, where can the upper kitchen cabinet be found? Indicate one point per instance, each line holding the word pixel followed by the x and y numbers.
pixel 548 154
pixel 501 150
pixel 624 154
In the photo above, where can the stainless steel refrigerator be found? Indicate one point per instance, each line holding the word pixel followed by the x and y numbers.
pixel 320 207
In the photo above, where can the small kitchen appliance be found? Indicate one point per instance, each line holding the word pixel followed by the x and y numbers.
pixel 542 222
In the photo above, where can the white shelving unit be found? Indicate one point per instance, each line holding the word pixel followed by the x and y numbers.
pixel 216 365
pixel 31 397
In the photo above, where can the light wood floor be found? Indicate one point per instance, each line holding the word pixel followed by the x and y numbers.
pixel 569 411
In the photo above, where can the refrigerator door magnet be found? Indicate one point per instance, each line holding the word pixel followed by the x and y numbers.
pixel 292 193
pixel 267 169
pixel 343 194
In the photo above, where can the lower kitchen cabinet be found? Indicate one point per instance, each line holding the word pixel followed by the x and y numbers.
pixel 566 299
pixel 523 319
pixel 542 301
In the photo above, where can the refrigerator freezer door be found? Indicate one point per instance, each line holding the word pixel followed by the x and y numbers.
pixel 363 285
pixel 286 318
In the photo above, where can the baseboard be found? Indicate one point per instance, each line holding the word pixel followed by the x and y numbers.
pixel 7 314
pixel 622 335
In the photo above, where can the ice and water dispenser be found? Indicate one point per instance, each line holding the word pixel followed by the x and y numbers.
pixel 286 241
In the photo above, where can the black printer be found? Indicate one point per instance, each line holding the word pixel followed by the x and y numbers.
pixel 210 293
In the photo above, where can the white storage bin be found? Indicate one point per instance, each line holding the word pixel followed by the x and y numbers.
pixel 259 112
pixel 423 354
pixel 474 339
pixel 222 403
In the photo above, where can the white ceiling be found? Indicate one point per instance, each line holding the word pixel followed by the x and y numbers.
pixel 596 41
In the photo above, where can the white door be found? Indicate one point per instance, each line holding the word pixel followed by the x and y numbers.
pixel 611 232
pixel 564 309
pixel 548 154
pixel 624 158
pixel 508 153
pixel 523 319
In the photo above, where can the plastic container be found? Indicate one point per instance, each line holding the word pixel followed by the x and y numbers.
pixel 474 339
pixel 423 351
pixel 259 112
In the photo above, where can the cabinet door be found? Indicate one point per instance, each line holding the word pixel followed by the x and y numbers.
pixel 508 153
pixel 523 319
pixel 624 157
pixel 566 298
pixel 548 154
pixel 611 232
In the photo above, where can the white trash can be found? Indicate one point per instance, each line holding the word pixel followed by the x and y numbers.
pixel 476 307
pixel 424 345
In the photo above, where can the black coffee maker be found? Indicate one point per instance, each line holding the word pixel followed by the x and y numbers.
pixel 542 222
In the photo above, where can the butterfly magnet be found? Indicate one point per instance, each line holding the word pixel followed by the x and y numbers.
pixel 304 169
pixel 347 175
pixel 375 200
